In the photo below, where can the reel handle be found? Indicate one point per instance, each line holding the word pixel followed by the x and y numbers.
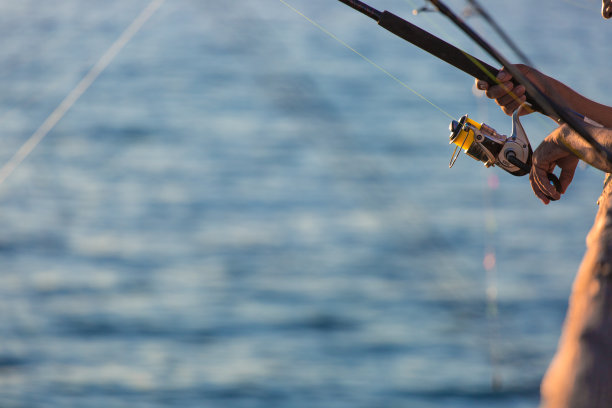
pixel 552 177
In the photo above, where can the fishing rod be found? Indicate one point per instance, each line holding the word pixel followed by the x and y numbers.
pixel 475 8
pixel 481 142
pixel 513 154
pixel 433 45
pixel 479 10
pixel 551 107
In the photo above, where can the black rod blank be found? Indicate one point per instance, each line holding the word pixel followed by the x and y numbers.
pixel 363 8
pixel 434 45
pixel 437 47
pixel 545 104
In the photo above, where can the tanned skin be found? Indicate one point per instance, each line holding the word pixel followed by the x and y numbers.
pixel 562 148
pixel 580 374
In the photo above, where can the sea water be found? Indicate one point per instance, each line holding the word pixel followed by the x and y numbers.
pixel 243 212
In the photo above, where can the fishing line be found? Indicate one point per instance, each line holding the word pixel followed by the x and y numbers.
pixel 369 61
pixel 74 95
pixel 490 266
pixel 489 257
pixel 489 261
pixel 450 285
pixel 489 19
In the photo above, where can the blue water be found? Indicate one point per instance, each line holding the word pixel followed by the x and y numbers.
pixel 241 212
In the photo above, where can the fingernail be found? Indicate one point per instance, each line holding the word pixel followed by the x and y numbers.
pixel 482 86
pixel 519 89
pixel 502 75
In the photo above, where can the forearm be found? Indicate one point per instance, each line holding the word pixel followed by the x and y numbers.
pixel 557 90
pixel 574 143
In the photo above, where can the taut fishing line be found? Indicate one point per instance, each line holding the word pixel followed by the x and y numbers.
pixel 369 61
pixel 489 261
pixel 74 95
pixel 451 283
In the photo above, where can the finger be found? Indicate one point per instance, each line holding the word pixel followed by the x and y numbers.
pixel 482 85
pixel 514 105
pixel 526 108
pixel 519 91
pixel 510 99
pixel 536 189
pixel 504 75
pixel 500 90
pixel 536 186
pixel 541 178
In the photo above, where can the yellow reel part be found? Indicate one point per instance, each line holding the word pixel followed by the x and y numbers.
pixel 462 136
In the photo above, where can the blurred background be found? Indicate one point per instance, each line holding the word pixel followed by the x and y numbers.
pixel 241 212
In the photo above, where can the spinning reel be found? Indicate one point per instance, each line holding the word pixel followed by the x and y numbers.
pixel 482 143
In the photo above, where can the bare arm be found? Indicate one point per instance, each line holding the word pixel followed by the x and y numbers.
pixel 563 147
pixel 509 97
pixel 575 144
pixel 557 90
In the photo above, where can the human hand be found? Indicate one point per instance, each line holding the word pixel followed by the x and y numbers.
pixel 550 154
pixel 508 96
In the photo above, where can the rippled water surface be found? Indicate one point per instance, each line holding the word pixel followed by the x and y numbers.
pixel 241 212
